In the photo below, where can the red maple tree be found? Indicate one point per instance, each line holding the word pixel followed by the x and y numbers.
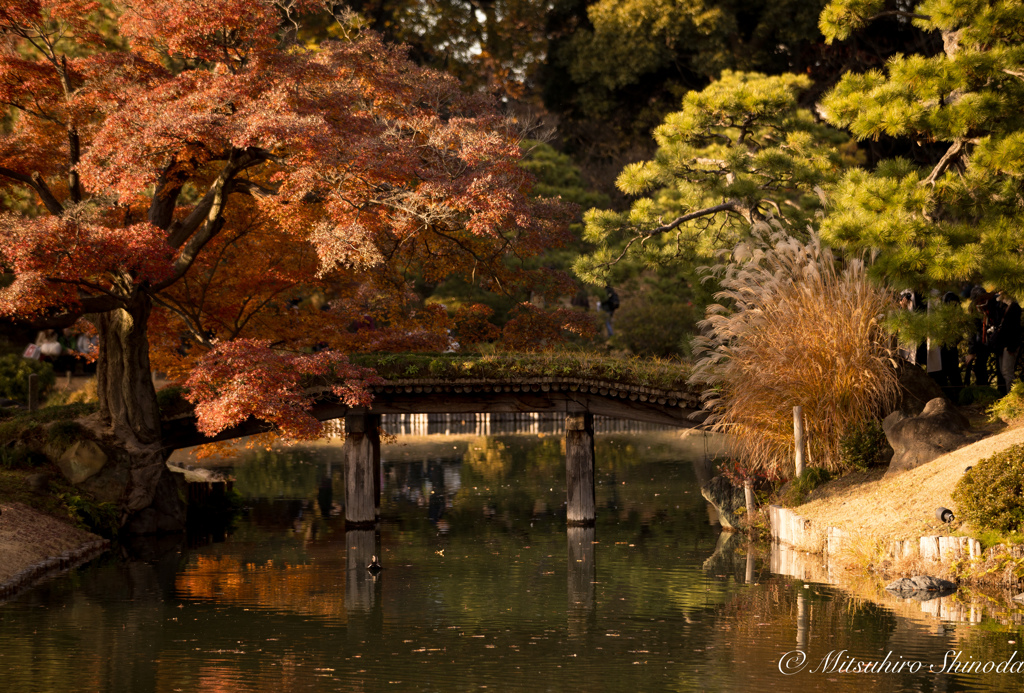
pixel 192 177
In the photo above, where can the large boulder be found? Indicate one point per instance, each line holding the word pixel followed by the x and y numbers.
pixel 726 498
pixel 917 440
pixel 916 388
pixel 921 587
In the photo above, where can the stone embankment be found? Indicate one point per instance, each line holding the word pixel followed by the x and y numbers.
pixel 34 545
pixel 787 527
pixel 861 527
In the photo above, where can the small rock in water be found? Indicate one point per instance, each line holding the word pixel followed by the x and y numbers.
pixel 921 587
pixel 1019 597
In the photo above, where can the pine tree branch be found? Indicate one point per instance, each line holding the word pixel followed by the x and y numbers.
pixel 707 211
pixel 900 13
pixel 947 158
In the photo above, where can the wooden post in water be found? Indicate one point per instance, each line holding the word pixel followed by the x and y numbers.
pixel 798 437
pixel 579 469
pixel 33 392
pixel 360 439
pixel 361 546
pixel 373 432
pixel 801 621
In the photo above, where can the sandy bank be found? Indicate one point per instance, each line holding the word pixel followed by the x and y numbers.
pixel 902 506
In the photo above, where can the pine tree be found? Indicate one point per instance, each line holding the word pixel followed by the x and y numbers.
pixel 740 153
pixel 957 218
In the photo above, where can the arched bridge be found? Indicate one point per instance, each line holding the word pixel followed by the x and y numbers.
pixel 579 399
pixel 568 395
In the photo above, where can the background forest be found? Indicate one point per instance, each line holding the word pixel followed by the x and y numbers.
pixel 848 111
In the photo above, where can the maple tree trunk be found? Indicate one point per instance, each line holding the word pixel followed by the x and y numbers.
pixel 151 497
pixel 124 382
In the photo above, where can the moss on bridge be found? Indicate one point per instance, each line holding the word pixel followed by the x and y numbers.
pixel 644 372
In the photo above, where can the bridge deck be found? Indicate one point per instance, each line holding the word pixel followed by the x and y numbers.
pixel 425 396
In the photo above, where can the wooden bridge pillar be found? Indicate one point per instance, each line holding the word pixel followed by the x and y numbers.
pixel 579 469
pixel 362 480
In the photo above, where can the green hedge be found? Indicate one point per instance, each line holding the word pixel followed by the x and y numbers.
pixel 14 372
pixel 989 495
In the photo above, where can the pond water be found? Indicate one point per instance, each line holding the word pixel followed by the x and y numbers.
pixel 482 588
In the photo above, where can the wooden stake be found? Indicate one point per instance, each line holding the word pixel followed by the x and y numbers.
pixel 798 437
pixel 359 482
pixel 579 469
pixel 33 392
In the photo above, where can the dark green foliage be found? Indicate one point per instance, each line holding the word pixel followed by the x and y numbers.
pixel 975 394
pixel 655 326
pixel 100 518
pixel 667 374
pixel 865 446
pixel 172 402
pixel 21 457
pixel 989 496
pixel 62 434
pixel 800 487
pixel 14 372
pixel 558 176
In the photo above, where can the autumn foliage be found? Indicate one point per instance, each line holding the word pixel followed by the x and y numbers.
pixel 224 201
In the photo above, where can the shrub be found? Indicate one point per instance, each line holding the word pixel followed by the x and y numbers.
pixel 989 495
pixel 978 394
pixel 794 327
pixel 654 325
pixel 62 434
pixel 101 518
pixel 21 457
pixel 812 478
pixel 1011 407
pixel 14 372
pixel 864 446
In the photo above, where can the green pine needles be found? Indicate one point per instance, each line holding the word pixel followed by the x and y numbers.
pixel 740 152
pixel 958 218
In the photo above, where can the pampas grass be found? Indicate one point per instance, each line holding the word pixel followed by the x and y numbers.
pixel 794 326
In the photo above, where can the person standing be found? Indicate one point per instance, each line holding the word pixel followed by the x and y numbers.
pixel 1006 343
pixel 610 304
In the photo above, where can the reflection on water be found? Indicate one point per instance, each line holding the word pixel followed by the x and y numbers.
pixel 482 587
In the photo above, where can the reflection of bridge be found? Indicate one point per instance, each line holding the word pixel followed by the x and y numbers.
pixel 575 399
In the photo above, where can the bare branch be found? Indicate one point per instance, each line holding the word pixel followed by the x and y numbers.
pixel 731 206
pixel 36 182
pixel 899 13
pixel 947 158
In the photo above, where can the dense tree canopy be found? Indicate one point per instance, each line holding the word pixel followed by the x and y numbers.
pixel 740 153
pixel 954 214
pixel 205 180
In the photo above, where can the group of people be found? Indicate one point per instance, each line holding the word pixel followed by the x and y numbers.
pixel 994 345
pixel 68 350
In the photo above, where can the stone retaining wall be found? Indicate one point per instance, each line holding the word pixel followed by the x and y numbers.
pixel 52 566
pixel 800 533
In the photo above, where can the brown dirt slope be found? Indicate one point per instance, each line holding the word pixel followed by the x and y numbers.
pixel 28 538
pixel 901 507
